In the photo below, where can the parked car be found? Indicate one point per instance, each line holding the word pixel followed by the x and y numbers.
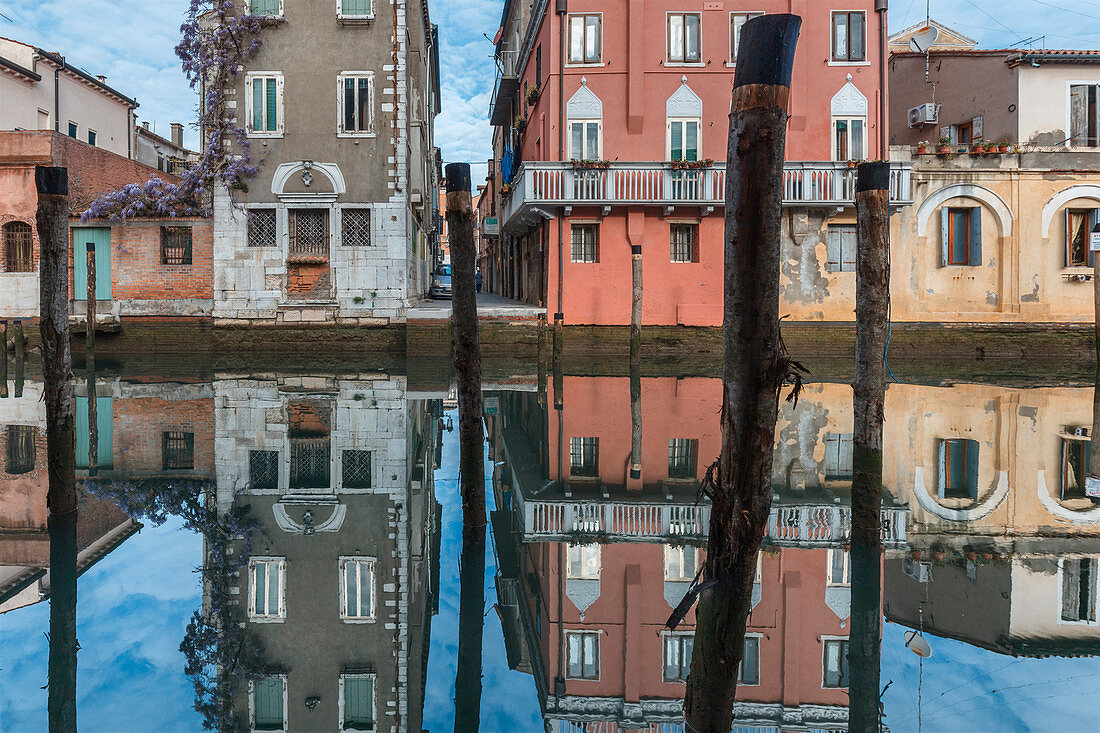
pixel 441 283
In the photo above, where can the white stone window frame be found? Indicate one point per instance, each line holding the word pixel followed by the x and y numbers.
pixel 598 633
pixel 731 62
pixel 280 223
pixel 338 225
pixel 351 19
pixel 280 15
pixel 374 695
pixel 249 102
pixel 825 639
pixel 684 121
pixel 846 569
pixel 759 645
pixel 583 575
pixel 668 40
pixel 569 29
pixel 572 154
pixel 695 260
pixel 681 550
pixel 252 704
pixel 340 78
pixel 279 617
pixel 665 637
pixel 832 137
pixel 866 38
pixel 92 137
pixel 342 575
pixel 1069 111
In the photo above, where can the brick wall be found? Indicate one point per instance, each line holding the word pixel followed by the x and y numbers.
pixel 309 280
pixel 137 272
pixel 139 429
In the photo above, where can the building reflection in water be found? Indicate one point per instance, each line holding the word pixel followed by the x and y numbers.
pixel 316 498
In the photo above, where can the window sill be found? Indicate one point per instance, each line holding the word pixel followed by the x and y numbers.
pixel 265 135
pixel 585 64
pixel 355 19
pixel 357 135
pixel 266 620
pixel 685 64
pixel 849 63
pixel 359 620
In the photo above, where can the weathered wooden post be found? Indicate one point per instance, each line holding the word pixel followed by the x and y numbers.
pixel 754 367
pixel 635 301
pixel 3 358
pixel 89 336
pixel 1092 478
pixel 869 398
pixel 467 360
pixel 20 354
pixel 53 233
pixel 635 419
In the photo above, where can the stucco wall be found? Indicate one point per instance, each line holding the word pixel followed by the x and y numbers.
pixel 1044 95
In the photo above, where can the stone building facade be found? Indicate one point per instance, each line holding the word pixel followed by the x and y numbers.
pixel 338 226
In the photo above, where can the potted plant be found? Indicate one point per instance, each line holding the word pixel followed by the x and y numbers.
pixel 922 147
pixel 977 147
pixel 945 145
pixel 505 189
pixel 532 95
pixel 520 123
pixel 1002 146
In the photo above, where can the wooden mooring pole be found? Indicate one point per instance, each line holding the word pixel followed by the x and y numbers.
pixel 754 365
pixel 52 219
pixel 20 354
pixel 467 360
pixel 1092 477
pixel 3 358
pixel 869 398
pixel 89 320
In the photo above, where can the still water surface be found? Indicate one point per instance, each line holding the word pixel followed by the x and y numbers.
pixel 281 552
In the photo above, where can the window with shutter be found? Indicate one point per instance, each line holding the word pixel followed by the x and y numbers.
pixel 1079 224
pixel 683 38
pixel 1079 590
pixel 583 562
pixel 270 8
pixel 1076 453
pixel 357 701
pixel 21 449
pixel 268 703
pixel 682 243
pixel 836 663
pixel 737 22
pixel 356 116
pixel 1084 115
pixel 841 248
pixel 267 581
pixel 961 236
pixel 356 589
pixel 585 38
pixel 350 9
pixel 748 672
pixel 582 655
pixel 265 100
pixel 849 37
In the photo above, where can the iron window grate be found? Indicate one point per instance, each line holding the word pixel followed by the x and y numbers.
pixel 19 244
pixel 308 231
pixel 175 245
pixel 261 228
pixel 356 469
pixel 263 469
pixel 356 227
pixel 179 450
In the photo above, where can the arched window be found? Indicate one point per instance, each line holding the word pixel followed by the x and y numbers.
pixel 20 449
pixel 19 246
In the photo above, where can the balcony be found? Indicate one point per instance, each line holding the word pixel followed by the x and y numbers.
pixel 540 186
pixel 808 525
pixel 505 88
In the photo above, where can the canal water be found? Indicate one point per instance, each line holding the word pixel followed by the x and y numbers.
pixel 267 550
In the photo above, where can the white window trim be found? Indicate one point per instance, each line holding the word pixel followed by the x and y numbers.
pixel 598 633
pixel 696 64
pixel 373 617
pixel 281 616
pixel 569 563
pixel 665 636
pixel 823 640
pixel 845 571
pixel 350 19
pixel 832 136
pixel 1062 621
pixel 252 704
pixel 91 133
pixel 759 658
pixel 369 75
pixel 732 61
pixel 1069 113
pixel 373 699
pixel 279 222
pixel 669 549
pixel 582 64
pixel 866 38
pixel 279 105
pixel 569 137
pixel 668 135
pixel 695 261
pixel 282 9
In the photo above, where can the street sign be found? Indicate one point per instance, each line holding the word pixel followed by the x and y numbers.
pixel 490 225
pixel 1094 242
pixel 492 405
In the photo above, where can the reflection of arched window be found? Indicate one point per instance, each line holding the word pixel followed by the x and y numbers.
pixel 20 449
pixel 18 244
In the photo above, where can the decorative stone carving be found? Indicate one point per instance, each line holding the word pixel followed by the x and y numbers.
pixel 684 102
pixel 584 104
pixel 849 101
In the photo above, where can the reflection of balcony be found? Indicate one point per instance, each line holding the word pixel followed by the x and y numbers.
pixel 809 525
pixel 540 185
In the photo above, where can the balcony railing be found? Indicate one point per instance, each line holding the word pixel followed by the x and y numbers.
pixel 538 185
pixel 810 525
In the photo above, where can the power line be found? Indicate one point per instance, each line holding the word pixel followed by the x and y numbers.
pixel 992 17
pixel 1066 10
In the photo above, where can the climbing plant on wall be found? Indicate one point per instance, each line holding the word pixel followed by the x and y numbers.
pixel 218 37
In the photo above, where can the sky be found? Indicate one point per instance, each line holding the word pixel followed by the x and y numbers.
pixel 132 43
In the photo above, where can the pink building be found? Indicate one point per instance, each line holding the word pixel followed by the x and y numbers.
pixel 611 131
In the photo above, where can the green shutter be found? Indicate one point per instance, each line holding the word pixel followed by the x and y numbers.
pixel 945 235
pixel 975 236
pixel 942 488
pixel 972 469
pixel 355 7
pixel 272 105
pixel 101 238
pixel 691 131
pixel 257 104
pixel 269 704
pixel 358 703
pixel 677 138
pixel 105 422
pixel 264 7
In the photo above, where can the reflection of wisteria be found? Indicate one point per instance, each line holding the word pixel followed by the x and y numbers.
pixel 216 42
pixel 220 651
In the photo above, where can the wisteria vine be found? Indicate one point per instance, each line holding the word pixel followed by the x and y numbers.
pixel 216 43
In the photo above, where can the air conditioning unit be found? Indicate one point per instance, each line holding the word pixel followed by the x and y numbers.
pixel 922 115
pixel 917 570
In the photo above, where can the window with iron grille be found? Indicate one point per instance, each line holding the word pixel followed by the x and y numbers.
pixel 309 463
pixel 20 449
pixel 682 454
pixel 179 450
pixel 586 243
pixel 263 469
pixel 584 456
pixel 308 231
pixel 355 227
pixel 683 237
pixel 175 245
pixel 261 228
pixel 19 245
pixel 356 469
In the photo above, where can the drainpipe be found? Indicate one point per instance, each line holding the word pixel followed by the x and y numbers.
pixel 884 142
pixel 57 97
pixel 562 9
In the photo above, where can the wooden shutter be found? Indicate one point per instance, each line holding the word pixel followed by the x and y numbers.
pixel 972 468
pixel 257 104
pixel 292 229
pixel 832 264
pixel 1071 589
pixel 945 235
pixel 1078 115
pixel 942 488
pixel 848 237
pixel 975 236
pixel 272 106
pixel 1067 254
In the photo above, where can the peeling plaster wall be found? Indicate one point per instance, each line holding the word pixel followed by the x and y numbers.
pixel 1044 91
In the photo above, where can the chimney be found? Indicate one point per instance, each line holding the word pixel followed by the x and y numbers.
pixel 177 134
pixel 145 125
pixel 102 78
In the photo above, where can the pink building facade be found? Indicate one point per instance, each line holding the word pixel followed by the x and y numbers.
pixel 611 132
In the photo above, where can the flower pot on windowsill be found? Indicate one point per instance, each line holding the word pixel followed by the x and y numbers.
pixel 922 150
pixel 1002 148
pixel 946 150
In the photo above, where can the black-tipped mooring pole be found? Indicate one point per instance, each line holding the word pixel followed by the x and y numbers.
pixel 869 398
pixel 754 367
